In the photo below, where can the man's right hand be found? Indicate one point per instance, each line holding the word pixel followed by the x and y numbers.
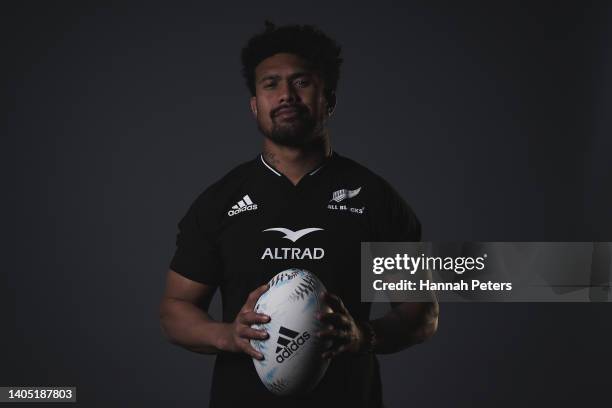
pixel 239 332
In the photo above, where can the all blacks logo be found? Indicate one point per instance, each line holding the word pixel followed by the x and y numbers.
pixel 289 341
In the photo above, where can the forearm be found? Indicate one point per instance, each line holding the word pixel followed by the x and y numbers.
pixel 188 326
pixel 404 326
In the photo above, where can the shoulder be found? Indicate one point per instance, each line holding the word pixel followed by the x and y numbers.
pixel 394 217
pixel 360 173
pixel 216 196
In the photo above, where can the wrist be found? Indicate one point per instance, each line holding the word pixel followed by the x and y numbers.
pixel 223 339
pixel 367 336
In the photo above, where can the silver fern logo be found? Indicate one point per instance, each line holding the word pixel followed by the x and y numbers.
pixel 344 193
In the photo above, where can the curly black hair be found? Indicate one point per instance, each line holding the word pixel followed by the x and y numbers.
pixel 306 41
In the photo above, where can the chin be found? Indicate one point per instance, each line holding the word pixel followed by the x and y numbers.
pixel 289 141
pixel 293 136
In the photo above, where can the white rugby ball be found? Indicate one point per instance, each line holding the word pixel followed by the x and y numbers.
pixel 292 361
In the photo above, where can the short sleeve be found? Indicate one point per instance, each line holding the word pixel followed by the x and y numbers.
pixel 197 256
pixel 398 222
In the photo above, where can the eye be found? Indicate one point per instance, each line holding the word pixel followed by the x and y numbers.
pixel 269 85
pixel 302 82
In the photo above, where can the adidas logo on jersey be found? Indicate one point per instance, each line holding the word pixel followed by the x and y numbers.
pixel 289 341
pixel 246 204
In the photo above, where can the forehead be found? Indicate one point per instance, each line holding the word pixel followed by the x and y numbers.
pixel 282 63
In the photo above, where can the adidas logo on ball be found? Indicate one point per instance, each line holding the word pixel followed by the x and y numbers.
pixel 289 342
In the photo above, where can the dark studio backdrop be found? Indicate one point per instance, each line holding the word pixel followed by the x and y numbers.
pixel 492 121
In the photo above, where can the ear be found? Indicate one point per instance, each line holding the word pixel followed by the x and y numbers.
pixel 331 103
pixel 253 103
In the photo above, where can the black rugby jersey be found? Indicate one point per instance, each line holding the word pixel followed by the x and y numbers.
pixel 254 223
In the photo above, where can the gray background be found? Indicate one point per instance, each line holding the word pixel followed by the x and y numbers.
pixel 491 120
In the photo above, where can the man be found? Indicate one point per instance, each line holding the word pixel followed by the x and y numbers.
pixel 229 238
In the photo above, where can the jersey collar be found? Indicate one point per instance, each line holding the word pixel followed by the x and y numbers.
pixel 269 167
pixel 312 173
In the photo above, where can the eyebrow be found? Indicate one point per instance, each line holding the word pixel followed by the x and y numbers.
pixel 292 76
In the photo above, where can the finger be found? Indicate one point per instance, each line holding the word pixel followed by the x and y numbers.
pixel 328 353
pixel 342 349
pixel 246 347
pixel 246 332
pixel 334 319
pixel 334 302
pixel 253 296
pixel 337 336
pixel 252 317
pixel 334 352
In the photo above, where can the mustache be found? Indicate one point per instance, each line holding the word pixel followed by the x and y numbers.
pixel 298 108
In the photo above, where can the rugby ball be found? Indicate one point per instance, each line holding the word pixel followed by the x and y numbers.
pixel 292 361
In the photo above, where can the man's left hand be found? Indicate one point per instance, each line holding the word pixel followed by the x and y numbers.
pixel 339 327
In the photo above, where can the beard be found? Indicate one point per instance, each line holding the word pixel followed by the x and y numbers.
pixel 301 131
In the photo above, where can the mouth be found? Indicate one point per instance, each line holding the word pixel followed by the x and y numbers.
pixel 287 112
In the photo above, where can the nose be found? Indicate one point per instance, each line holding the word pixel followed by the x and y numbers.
pixel 287 93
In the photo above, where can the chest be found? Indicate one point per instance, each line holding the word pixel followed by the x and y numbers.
pixel 319 231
